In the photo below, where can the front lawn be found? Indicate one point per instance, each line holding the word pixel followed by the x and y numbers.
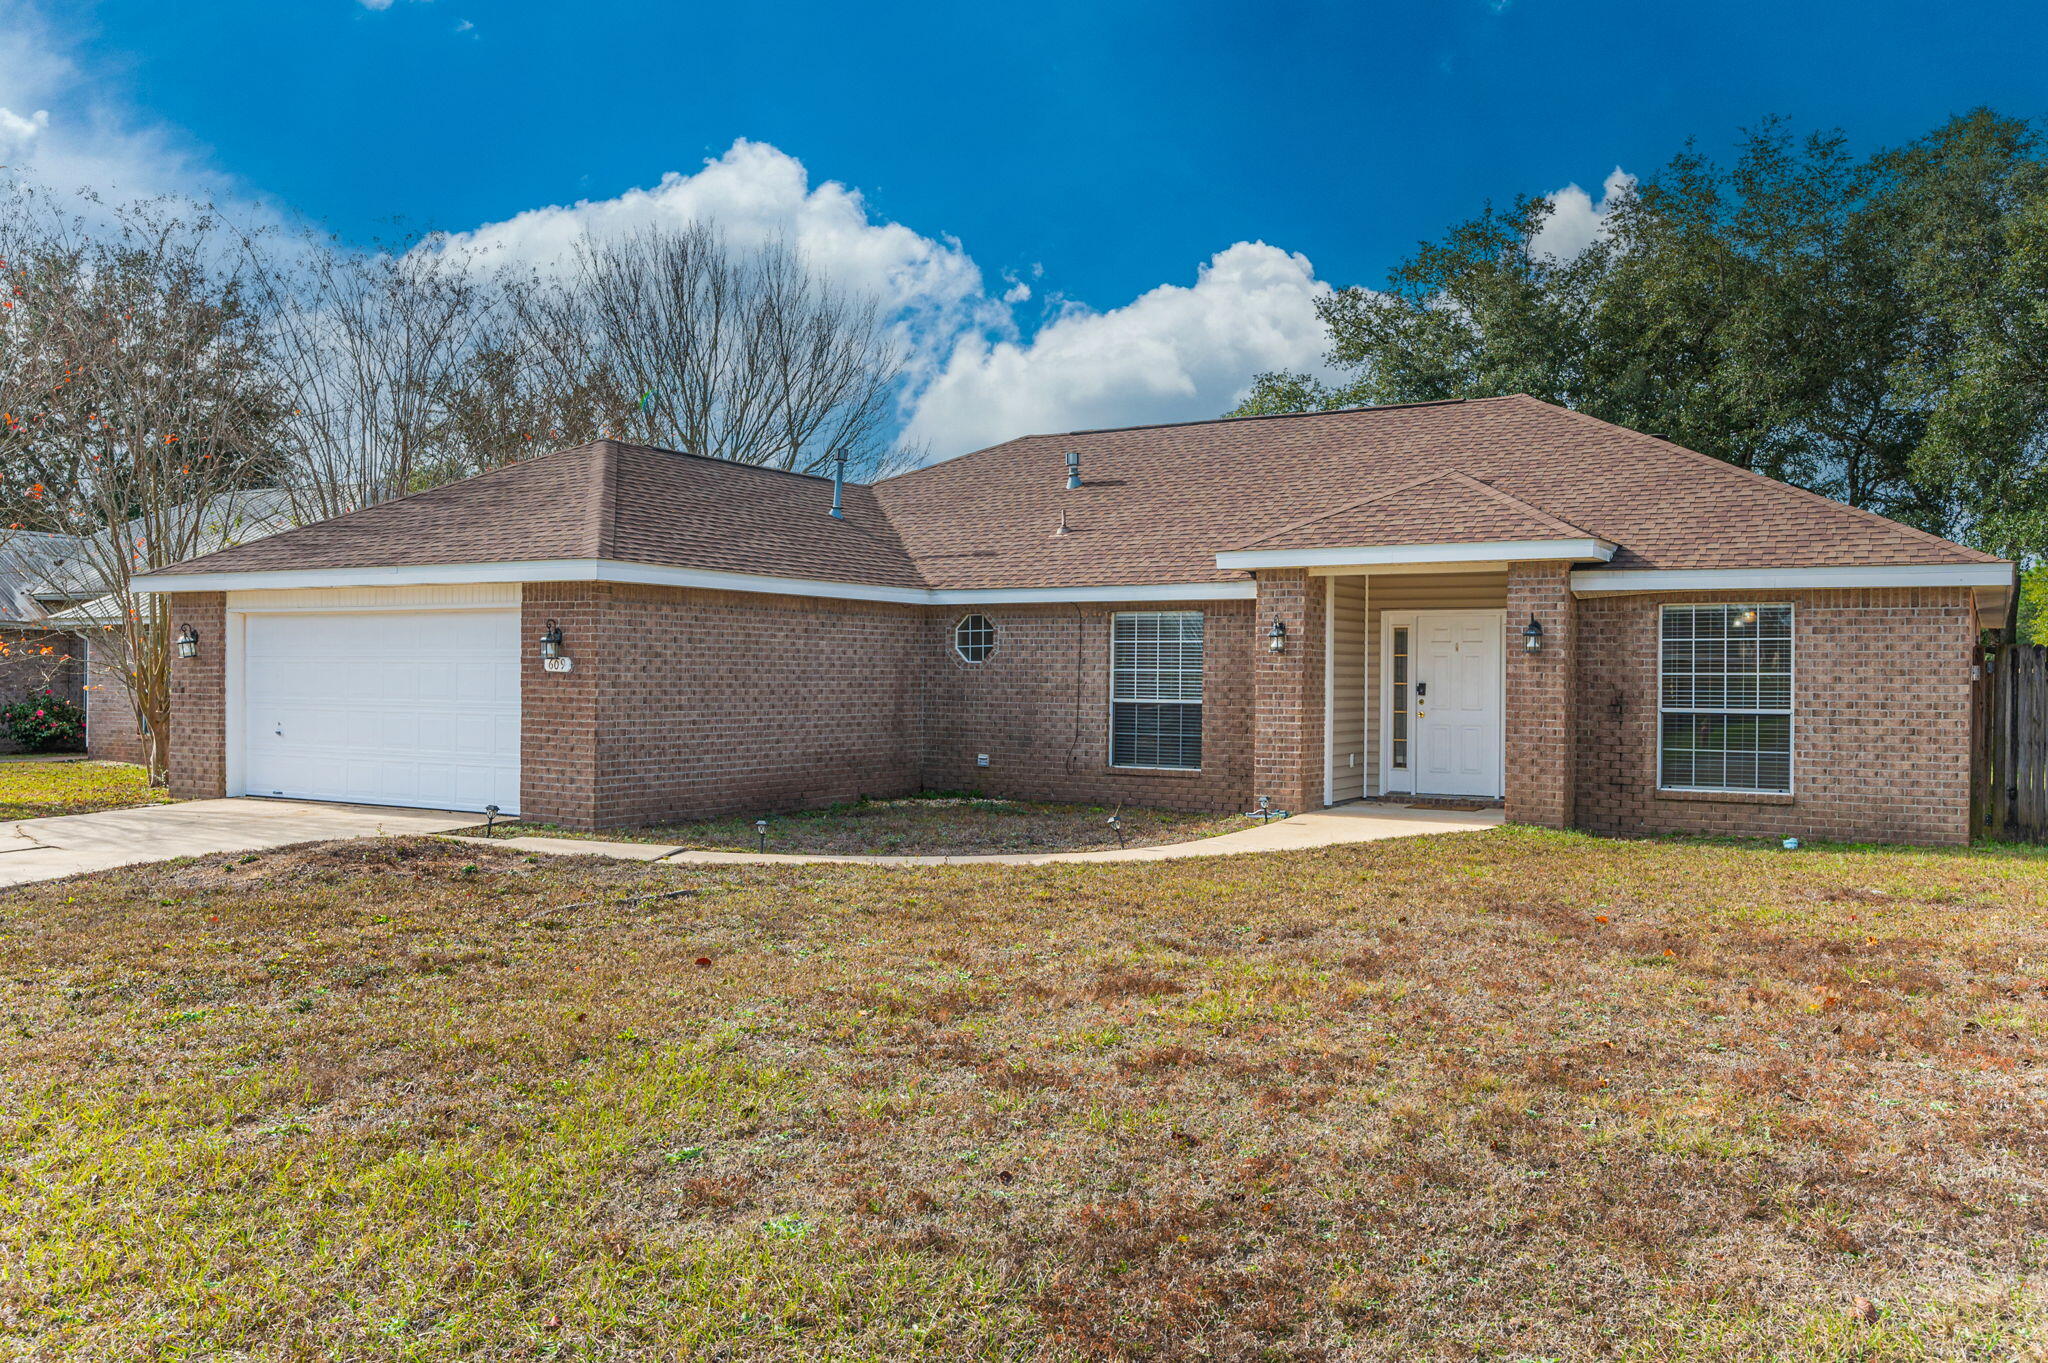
pixel 1511 1095
pixel 35 790
pixel 925 826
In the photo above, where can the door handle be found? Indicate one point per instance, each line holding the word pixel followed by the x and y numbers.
pixel 1421 690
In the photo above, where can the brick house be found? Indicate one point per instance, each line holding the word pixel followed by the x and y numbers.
pixel 1491 599
pixel 59 629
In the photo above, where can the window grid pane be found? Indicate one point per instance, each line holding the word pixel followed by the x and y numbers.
pixel 1398 758
pixel 1155 689
pixel 1725 692
pixel 974 638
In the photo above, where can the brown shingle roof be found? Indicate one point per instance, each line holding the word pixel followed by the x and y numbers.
pixel 1161 501
pixel 1158 504
pixel 1437 508
pixel 604 500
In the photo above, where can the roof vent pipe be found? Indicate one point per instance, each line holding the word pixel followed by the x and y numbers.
pixel 839 486
pixel 1073 469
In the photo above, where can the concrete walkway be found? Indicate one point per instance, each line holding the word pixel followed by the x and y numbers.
pixel 1323 828
pixel 67 844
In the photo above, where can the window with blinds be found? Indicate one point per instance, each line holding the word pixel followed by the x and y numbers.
pixel 1725 698
pixel 1155 689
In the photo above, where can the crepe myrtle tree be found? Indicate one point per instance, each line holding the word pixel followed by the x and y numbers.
pixel 134 401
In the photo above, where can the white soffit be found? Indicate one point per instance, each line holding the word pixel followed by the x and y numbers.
pixel 1996 577
pixel 602 570
pixel 1364 556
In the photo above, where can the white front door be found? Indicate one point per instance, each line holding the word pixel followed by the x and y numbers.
pixel 415 708
pixel 1458 684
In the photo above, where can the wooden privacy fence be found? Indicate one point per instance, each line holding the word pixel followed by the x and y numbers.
pixel 2011 727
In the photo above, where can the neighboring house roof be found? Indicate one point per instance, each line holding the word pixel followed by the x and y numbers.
pixel 1157 506
pixel 28 560
pixel 59 579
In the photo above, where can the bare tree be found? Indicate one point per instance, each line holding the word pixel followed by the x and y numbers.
pixel 370 350
pixel 140 408
pixel 676 337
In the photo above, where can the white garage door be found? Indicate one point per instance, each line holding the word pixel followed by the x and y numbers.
pixel 389 708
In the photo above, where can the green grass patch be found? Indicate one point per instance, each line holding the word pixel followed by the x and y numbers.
pixel 35 790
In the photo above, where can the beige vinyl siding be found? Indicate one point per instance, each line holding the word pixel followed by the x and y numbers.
pixel 1416 592
pixel 1347 687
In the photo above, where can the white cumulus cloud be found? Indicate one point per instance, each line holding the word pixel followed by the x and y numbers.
pixel 1175 353
pixel 18 133
pixel 1575 220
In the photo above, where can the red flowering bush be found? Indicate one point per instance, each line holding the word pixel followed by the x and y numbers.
pixel 45 722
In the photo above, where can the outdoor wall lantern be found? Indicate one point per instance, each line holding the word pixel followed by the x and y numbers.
pixel 1532 637
pixel 1276 637
pixel 188 642
pixel 551 641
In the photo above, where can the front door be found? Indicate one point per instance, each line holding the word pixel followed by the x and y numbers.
pixel 1458 681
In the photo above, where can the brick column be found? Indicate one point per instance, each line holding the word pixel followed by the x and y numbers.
pixel 1542 695
pixel 1287 735
pixel 199 715
pixel 562 718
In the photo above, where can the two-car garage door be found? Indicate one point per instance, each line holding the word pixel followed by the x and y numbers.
pixel 416 708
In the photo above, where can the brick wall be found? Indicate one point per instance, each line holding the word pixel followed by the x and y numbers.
pixel 1881 715
pixel 1039 707
pixel 688 703
pixel 560 714
pixel 1541 687
pixel 199 700
pixel 112 733
pixel 1288 711
pixel 33 661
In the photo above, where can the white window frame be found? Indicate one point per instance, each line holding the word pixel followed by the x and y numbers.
pixel 1200 701
pixel 994 637
pixel 1790 712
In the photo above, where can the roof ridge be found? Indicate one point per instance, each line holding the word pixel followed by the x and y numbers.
pixel 1722 465
pixel 1523 504
pixel 604 507
pixel 738 463
pixel 1457 475
pixel 1267 416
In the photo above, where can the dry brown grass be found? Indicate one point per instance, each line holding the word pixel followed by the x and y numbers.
pixel 922 826
pixel 1513 1095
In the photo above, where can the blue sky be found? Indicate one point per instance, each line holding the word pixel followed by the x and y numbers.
pixel 1171 183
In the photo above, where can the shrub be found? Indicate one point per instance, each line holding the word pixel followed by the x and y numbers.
pixel 44 722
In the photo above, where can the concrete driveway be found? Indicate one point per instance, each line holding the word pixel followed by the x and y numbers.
pixel 48 849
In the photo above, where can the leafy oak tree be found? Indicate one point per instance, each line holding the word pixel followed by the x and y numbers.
pixel 1869 327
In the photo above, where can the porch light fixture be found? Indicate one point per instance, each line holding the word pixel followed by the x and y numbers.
pixel 188 642
pixel 551 641
pixel 1532 637
pixel 1276 637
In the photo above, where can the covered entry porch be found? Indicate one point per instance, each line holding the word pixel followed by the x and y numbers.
pixel 1418 681
pixel 1414 691
pixel 1420 642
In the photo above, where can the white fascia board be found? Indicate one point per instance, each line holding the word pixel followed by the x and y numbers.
pixel 1369 555
pixel 1167 591
pixel 603 570
pixel 1994 575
